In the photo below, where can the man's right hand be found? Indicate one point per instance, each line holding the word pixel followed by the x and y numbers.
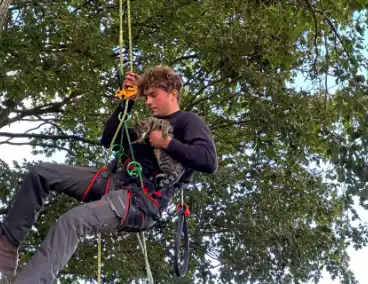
pixel 131 80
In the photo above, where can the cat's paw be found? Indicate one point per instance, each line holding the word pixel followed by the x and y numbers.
pixel 160 176
pixel 159 179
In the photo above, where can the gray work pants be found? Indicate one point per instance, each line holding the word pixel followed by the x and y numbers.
pixel 103 212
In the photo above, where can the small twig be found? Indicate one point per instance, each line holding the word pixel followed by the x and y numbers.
pixel 187 82
pixel 199 91
pixel 323 13
pixel 310 7
pixel 337 35
pixel 35 128
pixel 326 73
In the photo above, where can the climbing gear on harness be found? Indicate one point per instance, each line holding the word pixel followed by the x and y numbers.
pixel 182 230
pixel 124 94
pixel 183 211
pixel 139 189
pixel 135 170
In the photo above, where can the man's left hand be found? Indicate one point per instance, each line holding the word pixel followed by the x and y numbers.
pixel 157 140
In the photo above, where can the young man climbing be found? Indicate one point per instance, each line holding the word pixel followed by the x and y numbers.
pixel 109 204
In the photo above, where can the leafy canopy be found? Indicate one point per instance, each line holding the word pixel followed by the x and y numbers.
pixel 275 211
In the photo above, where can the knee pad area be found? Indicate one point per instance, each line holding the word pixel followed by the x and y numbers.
pixel 74 220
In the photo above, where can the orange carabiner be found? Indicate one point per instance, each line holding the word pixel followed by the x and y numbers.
pixel 127 93
pixel 186 209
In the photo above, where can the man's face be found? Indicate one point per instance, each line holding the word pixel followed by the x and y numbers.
pixel 160 102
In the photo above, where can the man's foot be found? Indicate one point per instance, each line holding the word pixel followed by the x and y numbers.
pixel 8 256
pixel 9 279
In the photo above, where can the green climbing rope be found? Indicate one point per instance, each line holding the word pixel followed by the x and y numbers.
pixel 108 158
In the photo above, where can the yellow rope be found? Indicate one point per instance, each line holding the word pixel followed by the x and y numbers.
pixel 121 35
pixel 143 241
pixel 99 258
pixel 130 38
pixel 108 157
pixel 117 131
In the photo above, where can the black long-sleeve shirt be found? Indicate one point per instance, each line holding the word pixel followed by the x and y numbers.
pixel 192 145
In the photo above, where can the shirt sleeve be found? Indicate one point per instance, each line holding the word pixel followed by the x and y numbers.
pixel 112 124
pixel 199 153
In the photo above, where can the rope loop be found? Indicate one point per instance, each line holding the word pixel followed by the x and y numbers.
pixel 118 153
pixel 127 117
pixel 136 170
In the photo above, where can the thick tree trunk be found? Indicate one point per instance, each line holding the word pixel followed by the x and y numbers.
pixel 4 5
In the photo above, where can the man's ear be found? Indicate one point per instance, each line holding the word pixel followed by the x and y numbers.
pixel 174 93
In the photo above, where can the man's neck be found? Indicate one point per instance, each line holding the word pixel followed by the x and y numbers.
pixel 173 110
pixel 169 114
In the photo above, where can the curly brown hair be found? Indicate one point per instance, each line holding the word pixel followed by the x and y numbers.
pixel 162 77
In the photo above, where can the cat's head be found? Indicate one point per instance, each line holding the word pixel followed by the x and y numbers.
pixel 143 127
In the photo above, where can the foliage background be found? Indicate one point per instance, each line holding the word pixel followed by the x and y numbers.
pixel 276 210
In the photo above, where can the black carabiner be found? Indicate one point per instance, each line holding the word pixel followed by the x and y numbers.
pixel 182 230
pixel 120 78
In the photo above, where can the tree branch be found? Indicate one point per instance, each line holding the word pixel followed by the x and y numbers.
pixel 191 78
pixel 39 110
pixel 44 145
pixel 194 102
pixel 336 33
pixel 231 123
pixel 310 8
pixel 35 128
pixel 47 137
pixel 185 57
pixel 326 73
pixel 51 121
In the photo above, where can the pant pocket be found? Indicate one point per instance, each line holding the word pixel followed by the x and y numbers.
pixel 119 202
pixel 102 216
pixel 132 218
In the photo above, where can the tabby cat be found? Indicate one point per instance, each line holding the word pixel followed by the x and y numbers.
pixel 172 169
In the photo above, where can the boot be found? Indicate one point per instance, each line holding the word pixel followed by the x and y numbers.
pixel 8 256
pixel 6 279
